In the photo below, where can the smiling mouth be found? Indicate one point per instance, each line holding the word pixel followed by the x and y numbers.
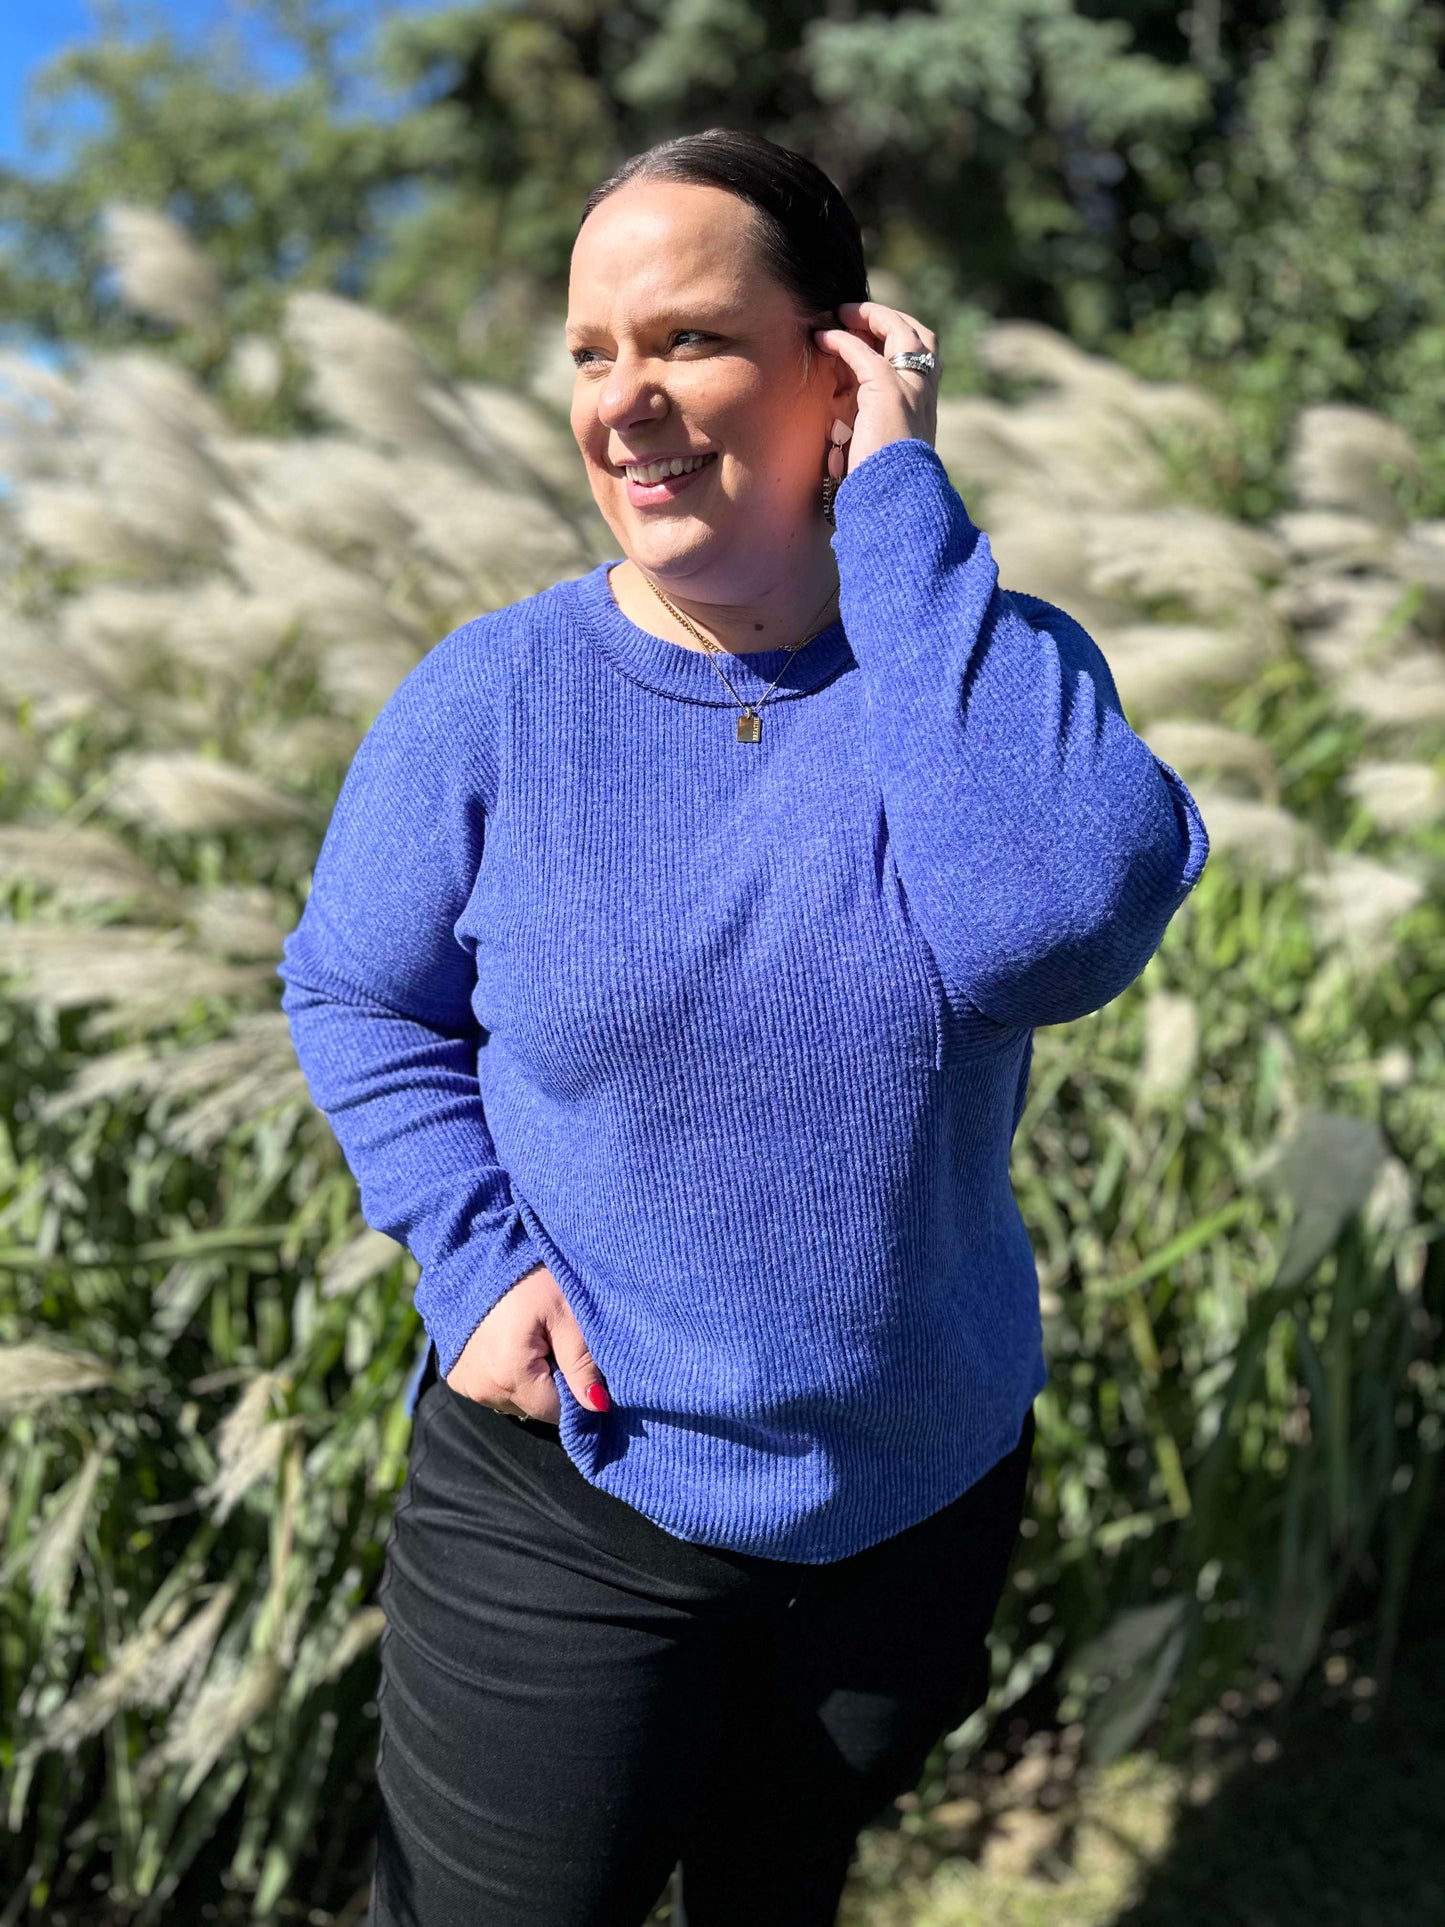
pixel 650 474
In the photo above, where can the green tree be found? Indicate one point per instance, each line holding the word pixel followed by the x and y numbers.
pixel 1252 198
pixel 965 136
pixel 275 182
pixel 1319 210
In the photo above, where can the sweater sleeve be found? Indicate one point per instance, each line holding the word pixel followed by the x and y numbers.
pixel 1042 845
pixel 378 999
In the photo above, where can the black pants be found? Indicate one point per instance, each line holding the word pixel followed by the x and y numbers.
pixel 573 1701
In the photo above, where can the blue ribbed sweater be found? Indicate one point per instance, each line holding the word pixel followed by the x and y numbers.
pixel 734 1037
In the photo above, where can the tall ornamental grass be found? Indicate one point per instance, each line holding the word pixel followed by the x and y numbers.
pixel 1231 1174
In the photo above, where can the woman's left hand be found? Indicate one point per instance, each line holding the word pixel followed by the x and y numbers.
pixel 893 404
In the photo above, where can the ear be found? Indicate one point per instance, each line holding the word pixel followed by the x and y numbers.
pixel 845 385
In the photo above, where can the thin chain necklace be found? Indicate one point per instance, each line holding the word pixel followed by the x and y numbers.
pixel 750 723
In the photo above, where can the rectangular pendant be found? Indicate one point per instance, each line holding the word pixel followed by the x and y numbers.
pixel 750 728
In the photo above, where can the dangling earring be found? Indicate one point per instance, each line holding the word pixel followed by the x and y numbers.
pixel 839 438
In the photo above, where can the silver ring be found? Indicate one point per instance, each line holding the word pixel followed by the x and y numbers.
pixel 922 361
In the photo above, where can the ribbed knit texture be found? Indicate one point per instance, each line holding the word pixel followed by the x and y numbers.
pixel 734 1037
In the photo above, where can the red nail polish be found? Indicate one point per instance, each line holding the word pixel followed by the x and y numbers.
pixel 597 1398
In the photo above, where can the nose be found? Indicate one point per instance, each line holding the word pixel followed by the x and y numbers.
pixel 631 394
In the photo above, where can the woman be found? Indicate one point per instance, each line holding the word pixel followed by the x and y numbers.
pixel 752 857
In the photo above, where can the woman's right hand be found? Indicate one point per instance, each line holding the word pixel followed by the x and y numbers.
pixel 507 1361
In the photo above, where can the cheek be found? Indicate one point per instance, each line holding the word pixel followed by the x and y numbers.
pixel 591 438
pixel 588 432
pixel 741 414
pixel 767 423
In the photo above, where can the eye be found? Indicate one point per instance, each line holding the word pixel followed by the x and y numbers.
pixel 580 355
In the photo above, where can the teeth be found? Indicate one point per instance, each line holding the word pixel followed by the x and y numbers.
pixel 651 472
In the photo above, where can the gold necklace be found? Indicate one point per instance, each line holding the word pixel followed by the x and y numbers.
pixel 750 723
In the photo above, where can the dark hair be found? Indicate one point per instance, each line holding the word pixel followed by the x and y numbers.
pixel 808 236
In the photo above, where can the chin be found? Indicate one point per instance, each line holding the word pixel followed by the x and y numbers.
pixel 682 558
pixel 665 536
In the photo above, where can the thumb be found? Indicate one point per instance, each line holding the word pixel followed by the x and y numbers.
pixel 576 1363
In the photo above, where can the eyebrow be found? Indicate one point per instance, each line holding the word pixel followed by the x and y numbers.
pixel 702 311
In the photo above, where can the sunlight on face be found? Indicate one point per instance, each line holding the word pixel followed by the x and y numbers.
pixel 684 343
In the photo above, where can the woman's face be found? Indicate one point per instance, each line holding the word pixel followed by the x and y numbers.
pixel 686 345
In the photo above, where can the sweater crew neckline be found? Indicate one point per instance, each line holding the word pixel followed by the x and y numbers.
pixel 671 669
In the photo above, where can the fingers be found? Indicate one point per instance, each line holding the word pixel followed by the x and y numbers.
pixel 865 362
pixel 538 1401
pixel 533 1395
pixel 510 1360
pixel 534 1390
pixel 896 327
pixel 576 1362
pixel 900 333
pixel 926 337
pixel 496 1396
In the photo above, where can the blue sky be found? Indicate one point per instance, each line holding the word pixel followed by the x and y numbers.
pixel 29 30
pixel 32 30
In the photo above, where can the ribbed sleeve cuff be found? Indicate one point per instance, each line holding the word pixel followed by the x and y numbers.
pixel 1197 851
pixel 454 1294
pixel 895 509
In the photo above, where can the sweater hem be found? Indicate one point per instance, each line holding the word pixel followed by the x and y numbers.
pixel 985 1457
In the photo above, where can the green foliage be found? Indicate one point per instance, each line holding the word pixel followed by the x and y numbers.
pixel 1257 205
pixel 1319 207
pixel 275 183
pixel 996 112
pixel 1244 1410
pixel 186 1277
pixel 965 136
pixel 1242 1415
pixel 1234 1428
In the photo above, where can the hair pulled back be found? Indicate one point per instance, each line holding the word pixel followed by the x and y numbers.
pixel 807 235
